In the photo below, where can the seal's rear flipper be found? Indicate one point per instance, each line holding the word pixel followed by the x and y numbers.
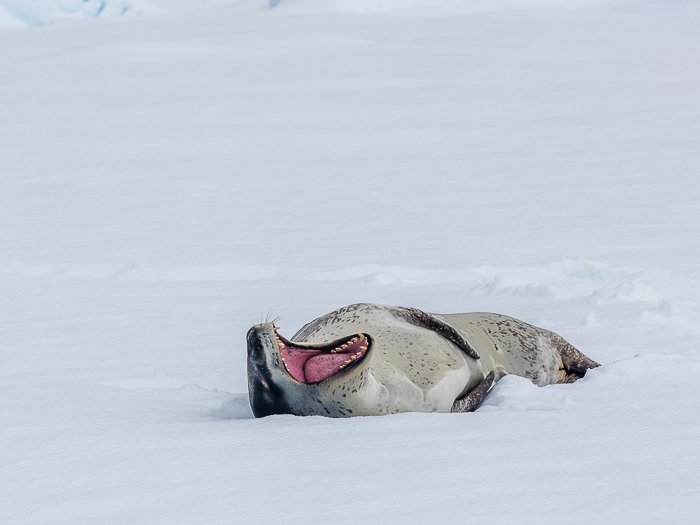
pixel 575 362
pixel 473 399
pixel 425 320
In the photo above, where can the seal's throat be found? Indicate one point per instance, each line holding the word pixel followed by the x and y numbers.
pixel 311 363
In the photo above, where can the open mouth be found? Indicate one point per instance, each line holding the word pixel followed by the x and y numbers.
pixel 310 363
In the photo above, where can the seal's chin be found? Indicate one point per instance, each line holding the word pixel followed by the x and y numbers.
pixel 311 363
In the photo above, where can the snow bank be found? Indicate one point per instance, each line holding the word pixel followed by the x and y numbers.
pixel 44 12
pixel 424 8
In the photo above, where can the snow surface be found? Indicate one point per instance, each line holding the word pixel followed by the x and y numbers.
pixel 44 12
pixel 170 178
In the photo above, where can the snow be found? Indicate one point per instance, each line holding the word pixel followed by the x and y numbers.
pixel 43 12
pixel 171 177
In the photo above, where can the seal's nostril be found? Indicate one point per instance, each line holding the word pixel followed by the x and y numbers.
pixel 256 349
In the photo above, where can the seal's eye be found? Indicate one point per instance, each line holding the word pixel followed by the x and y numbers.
pixel 314 363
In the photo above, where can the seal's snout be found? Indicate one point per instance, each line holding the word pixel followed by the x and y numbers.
pixel 266 397
pixel 256 344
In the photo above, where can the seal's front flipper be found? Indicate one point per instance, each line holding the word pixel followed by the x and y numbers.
pixel 473 399
pixel 424 320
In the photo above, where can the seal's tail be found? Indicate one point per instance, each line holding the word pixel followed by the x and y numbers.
pixel 575 362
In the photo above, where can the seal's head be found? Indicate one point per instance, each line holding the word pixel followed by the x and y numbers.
pixel 284 376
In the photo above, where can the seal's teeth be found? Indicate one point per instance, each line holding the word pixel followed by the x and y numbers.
pixel 363 348
pixel 346 362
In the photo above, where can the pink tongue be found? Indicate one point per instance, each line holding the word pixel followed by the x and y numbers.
pixel 323 366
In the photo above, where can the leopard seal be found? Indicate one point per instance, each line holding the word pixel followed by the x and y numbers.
pixel 369 359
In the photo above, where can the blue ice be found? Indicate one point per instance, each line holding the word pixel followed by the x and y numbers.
pixel 31 12
pixel 39 12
